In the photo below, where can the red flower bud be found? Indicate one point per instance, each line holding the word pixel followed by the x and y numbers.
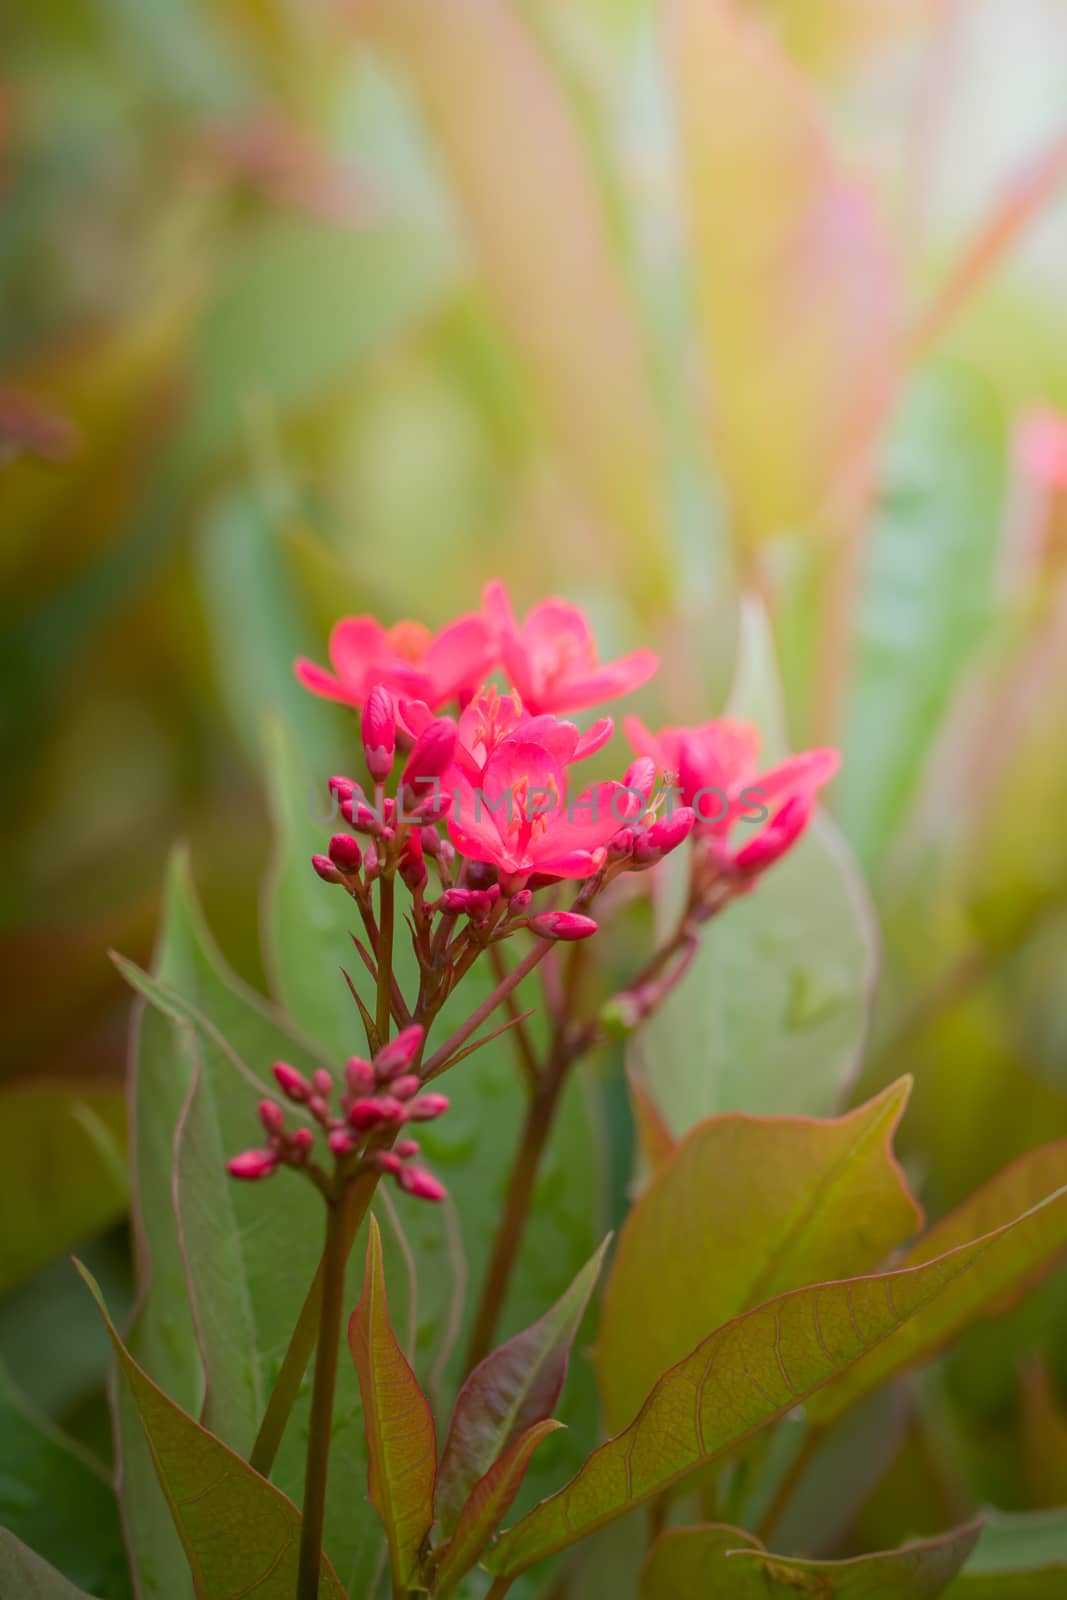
pixel 423 1185
pixel 403 1088
pixel 340 1142
pixel 387 1161
pixel 326 869
pixel 345 853
pixel 378 728
pixel 252 1164
pixel 427 1107
pixel 520 902
pixel 362 816
pixel 359 1075
pixel 406 1148
pixel 372 1113
pixel 271 1116
pixel 322 1082
pixel 412 866
pixel 399 1053
pixel 341 787
pixel 301 1142
pixel 562 925
pixel 664 835
pixel 293 1084
pixel 431 756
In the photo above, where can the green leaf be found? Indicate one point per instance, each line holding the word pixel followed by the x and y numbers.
pixel 692 1563
pixel 255 365
pixel 1019 1556
pixel 742 1377
pixel 398 1421
pixel 747 1209
pixel 488 1504
pixel 472 1148
pixel 772 1016
pixel 927 600
pixel 40 1469
pixel 24 1576
pixel 78 1130
pixel 513 1388
pixel 1026 1223
pixel 246 1254
pixel 240 1534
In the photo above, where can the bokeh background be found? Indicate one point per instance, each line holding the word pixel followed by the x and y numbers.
pixel 312 306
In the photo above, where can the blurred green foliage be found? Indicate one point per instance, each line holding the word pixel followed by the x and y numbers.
pixel 322 307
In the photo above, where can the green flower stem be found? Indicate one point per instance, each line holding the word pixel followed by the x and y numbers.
pixel 334 1258
pixel 386 920
pixel 302 1344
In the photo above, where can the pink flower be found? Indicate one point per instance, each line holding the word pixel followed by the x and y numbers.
pixel 491 718
pixel 716 768
pixel 551 658
pixel 407 659
pixel 519 816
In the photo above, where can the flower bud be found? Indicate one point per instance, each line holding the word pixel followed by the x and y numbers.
pixel 345 853
pixel 326 869
pixel 621 844
pixel 301 1142
pixel 403 1088
pixel 362 816
pixel 431 756
pixel 387 1161
pixel 664 835
pixel 520 902
pixel 399 1053
pixel 271 1116
pixel 412 867
pixel 342 787
pixel 359 1075
pixel 378 727
pixel 562 925
pixel 364 1115
pixel 406 1148
pixel 322 1082
pixel 252 1164
pixel 427 1107
pixel 293 1084
pixel 480 874
pixel 423 1185
pixel 340 1142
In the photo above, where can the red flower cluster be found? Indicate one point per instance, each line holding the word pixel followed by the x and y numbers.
pixel 484 799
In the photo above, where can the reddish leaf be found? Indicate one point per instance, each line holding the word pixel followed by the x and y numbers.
pixel 400 1430
pixel 488 1504
pixel 508 1392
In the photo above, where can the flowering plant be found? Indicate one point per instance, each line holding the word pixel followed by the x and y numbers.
pixel 473 861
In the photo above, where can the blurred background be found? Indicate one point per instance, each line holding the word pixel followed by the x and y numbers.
pixel 313 306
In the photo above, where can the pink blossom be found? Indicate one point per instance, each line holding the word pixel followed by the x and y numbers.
pixel 562 925
pixel 407 659
pixel 252 1164
pixel 520 818
pixel 716 768
pixel 491 718
pixel 551 657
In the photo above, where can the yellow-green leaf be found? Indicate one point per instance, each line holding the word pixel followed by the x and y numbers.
pixel 747 1208
pixel 398 1420
pixel 693 1563
pixel 742 1377
pixel 1018 1250
pixel 241 1535
pixel 798 289
pixel 62 1170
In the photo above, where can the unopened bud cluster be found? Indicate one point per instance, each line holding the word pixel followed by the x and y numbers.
pixel 378 1098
